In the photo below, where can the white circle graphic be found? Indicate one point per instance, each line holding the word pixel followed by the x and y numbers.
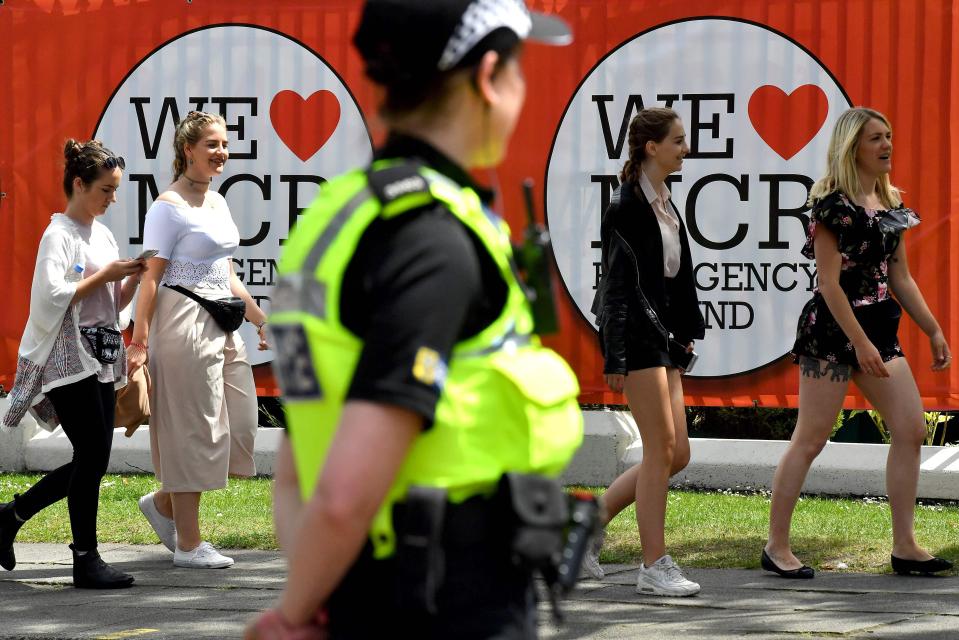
pixel 292 123
pixel 758 111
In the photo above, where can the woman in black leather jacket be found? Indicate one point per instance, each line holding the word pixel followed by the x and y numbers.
pixel 648 316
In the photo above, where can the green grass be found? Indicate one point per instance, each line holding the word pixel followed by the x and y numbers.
pixel 728 529
pixel 703 529
pixel 237 517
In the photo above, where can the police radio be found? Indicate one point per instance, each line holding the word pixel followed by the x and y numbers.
pixel 533 257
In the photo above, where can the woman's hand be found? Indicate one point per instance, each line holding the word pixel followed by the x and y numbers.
pixel 870 362
pixel 941 357
pixel 261 332
pixel 615 381
pixel 120 269
pixel 136 357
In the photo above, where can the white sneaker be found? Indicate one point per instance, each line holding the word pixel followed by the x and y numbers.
pixel 205 556
pixel 164 527
pixel 591 566
pixel 664 578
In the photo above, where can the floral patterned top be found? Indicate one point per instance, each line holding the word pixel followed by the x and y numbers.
pixel 867 239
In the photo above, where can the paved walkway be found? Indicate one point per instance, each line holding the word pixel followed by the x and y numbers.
pixel 37 601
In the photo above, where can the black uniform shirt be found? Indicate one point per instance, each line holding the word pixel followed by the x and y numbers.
pixel 417 284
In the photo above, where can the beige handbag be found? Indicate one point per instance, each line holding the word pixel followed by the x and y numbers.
pixel 133 402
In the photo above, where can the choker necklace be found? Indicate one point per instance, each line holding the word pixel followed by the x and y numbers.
pixel 194 183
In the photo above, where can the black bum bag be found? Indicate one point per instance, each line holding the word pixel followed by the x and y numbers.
pixel 107 344
pixel 228 313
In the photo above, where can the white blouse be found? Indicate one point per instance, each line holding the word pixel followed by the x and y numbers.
pixel 197 243
pixel 668 224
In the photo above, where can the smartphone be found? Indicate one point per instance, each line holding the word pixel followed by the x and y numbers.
pixel 147 254
pixel 683 359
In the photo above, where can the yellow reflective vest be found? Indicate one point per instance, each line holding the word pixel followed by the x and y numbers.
pixel 508 404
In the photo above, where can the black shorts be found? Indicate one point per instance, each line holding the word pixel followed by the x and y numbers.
pixel 648 350
pixel 819 336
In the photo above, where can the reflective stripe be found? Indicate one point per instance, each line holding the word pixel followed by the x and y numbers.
pixel 333 229
pixel 299 292
pixel 509 340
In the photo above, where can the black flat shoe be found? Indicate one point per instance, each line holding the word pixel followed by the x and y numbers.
pixel 9 526
pixel 802 573
pixel 91 572
pixel 925 567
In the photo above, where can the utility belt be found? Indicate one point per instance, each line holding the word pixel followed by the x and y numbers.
pixel 530 523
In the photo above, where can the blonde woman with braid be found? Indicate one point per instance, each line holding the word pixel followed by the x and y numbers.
pixel 847 333
pixel 203 401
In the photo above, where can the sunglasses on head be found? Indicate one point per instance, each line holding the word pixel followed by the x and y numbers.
pixel 111 163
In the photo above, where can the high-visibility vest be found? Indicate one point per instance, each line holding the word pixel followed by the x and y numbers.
pixel 507 404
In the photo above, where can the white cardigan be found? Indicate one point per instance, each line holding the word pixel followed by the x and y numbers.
pixel 51 353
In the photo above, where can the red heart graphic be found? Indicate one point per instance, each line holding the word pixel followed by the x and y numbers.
pixel 304 125
pixel 787 123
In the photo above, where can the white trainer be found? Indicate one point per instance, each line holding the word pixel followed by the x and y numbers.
pixel 664 578
pixel 164 527
pixel 205 556
pixel 591 566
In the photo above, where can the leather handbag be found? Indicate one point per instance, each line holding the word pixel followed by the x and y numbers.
pixel 228 313
pixel 133 402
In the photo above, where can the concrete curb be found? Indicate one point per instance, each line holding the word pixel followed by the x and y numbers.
pixel 48 450
pixel 610 446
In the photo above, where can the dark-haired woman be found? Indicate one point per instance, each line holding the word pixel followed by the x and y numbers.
pixel 71 357
pixel 648 317
pixel 406 355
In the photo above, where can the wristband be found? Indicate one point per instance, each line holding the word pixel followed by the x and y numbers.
pixel 260 325
pixel 137 345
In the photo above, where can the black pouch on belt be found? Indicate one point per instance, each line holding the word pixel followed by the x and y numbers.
pixel 537 512
pixel 228 313
pixel 420 561
pixel 107 343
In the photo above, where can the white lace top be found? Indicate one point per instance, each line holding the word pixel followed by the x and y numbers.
pixel 197 242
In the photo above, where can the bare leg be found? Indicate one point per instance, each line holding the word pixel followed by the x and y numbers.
pixel 647 391
pixel 821 394
pixel 186 516
pixel 898 402
pixel 622 492
pixel 164 503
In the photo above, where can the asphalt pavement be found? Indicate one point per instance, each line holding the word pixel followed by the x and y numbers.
pixel 38 601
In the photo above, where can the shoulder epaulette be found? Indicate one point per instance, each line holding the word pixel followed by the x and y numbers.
pixel 396 181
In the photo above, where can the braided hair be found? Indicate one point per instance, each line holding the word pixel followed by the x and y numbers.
pixel 188 131
pixel 651 124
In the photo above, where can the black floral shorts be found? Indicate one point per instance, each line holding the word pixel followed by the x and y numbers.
pixel 818 335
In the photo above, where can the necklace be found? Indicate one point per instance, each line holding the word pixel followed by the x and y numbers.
pixel 195 183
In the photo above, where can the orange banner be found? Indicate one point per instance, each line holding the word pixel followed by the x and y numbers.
pixel 758 83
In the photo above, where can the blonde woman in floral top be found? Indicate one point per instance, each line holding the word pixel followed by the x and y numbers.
pixel 847 332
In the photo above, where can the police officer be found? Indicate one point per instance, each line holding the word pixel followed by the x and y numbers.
pixel 411 376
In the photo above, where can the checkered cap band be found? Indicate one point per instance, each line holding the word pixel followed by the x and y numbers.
pixel 481 18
